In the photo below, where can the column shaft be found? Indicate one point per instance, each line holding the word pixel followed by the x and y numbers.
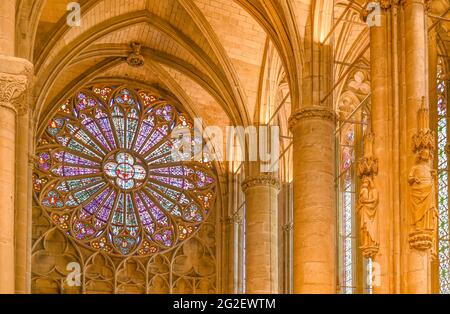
pixel 7 166
pixel 261 195
pixel 7 27
pixel 23 205
pixel 381 126
pixel 418 274
pixel 314 200
pixel 14 78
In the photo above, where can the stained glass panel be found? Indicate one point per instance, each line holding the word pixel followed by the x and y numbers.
pixel 444 261
pixel 347 204
pixel 105 174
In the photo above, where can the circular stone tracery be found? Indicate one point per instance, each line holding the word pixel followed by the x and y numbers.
pixel 106 176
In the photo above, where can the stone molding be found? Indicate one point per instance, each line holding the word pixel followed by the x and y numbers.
pixel 312 113
pixel 260 180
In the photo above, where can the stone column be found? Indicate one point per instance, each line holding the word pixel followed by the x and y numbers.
pixel 261 195
pixel 419 143
pixel 376 164
pixel 14 78
pixel 433 61
pixel 314 200
pixel 7 27
pixel 23 203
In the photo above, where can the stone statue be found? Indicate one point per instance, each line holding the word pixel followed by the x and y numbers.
pixel 422 180
pixel 367 210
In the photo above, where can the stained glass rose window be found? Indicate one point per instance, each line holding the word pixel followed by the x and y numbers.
pixel 105 173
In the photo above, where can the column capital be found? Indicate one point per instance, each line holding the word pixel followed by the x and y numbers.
pixel 370 5
pixel 426 3
pixel 235 219
pixel 15 77
pixel 312 113
pixel 260 180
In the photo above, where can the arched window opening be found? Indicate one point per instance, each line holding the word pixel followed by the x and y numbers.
pixel 118 188
pixel 442 138
pixel 354 115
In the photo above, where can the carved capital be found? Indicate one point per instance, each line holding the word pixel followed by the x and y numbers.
pixel 15 77
pixel 13 91
pixel 236 218
pixel 426 3
pixel 312 113
pixel 370 6
pixel 261 180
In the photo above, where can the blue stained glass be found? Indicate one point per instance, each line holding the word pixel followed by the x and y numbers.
pixel 119 125
pixel 132 125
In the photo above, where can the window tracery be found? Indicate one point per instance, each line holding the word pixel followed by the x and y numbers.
pixel 107 177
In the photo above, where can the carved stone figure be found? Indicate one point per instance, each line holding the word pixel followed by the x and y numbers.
pixel 368 200
pixel 367 210
pixel 422 180
pixel 423 196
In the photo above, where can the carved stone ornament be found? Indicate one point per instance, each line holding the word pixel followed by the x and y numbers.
pixel 367 206
pixel 15 76
pixel 260 180
pixel 422 188
pixel 235 218
pixel 288 227
pixel 135 59
pixel 384 4
pixel 312 113
pixel 368 164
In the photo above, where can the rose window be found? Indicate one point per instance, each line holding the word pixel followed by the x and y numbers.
pixel 106 175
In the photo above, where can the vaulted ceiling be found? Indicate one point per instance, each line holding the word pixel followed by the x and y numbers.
pixel 215 57
pixel 207 54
